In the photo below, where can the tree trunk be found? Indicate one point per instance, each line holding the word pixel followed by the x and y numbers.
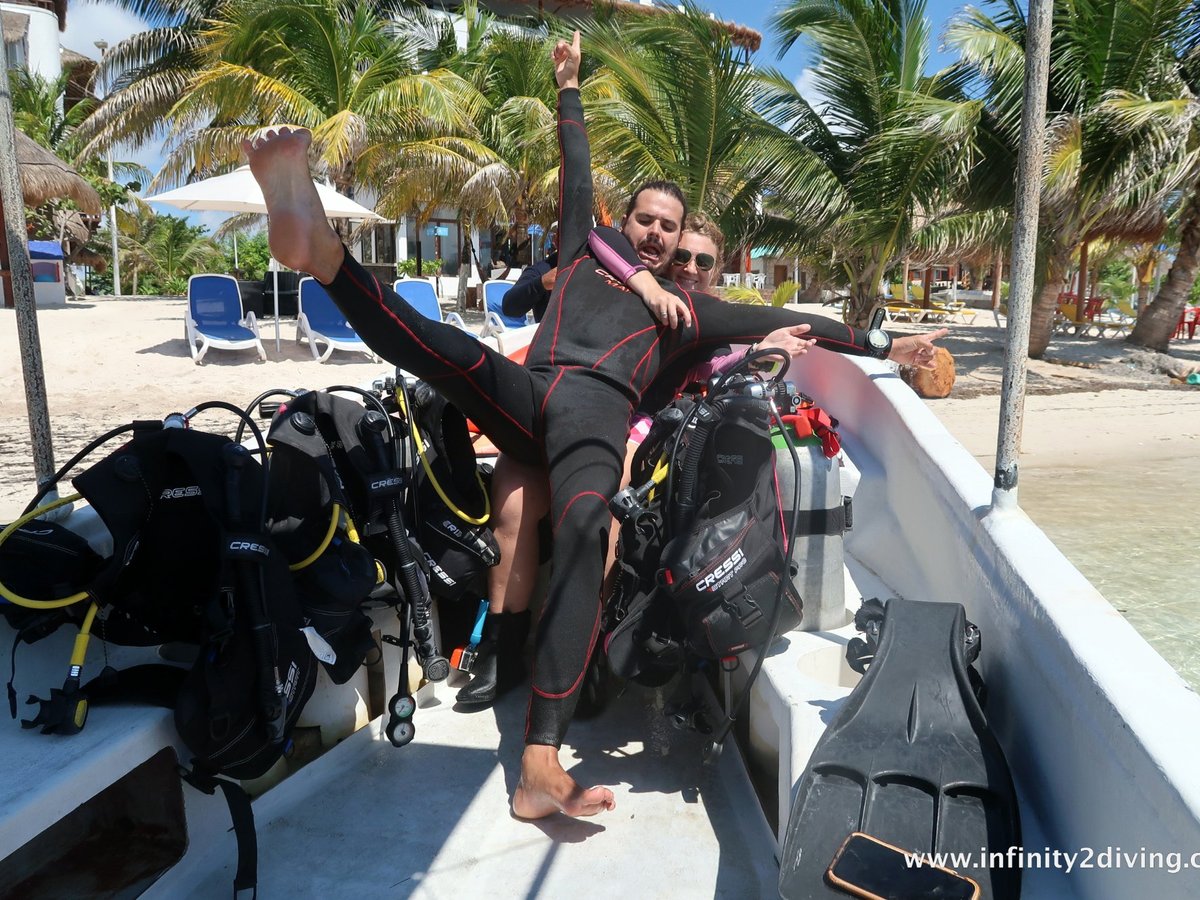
pixel 1143 293
pixel 1082 294
pixel 1156 323
pixel 1045 304
pixel 997 272
pixel 464 262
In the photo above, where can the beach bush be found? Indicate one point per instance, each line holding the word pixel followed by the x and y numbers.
pixel 407 268
pixel 253 255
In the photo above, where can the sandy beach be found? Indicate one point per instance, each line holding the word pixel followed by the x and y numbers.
pixel 108 361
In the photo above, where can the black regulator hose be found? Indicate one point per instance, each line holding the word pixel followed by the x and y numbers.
pixel 435 666
pixel 686 501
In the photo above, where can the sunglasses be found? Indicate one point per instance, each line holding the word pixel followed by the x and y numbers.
pixel 704 261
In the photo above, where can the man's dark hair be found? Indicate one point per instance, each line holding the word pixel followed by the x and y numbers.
pixel 669 188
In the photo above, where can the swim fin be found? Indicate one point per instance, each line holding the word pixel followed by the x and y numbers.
pixel 908 759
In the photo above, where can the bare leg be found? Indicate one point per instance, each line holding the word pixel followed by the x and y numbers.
pixel 614 532
pixel 298 232
pixel 520 498
pixel 545 788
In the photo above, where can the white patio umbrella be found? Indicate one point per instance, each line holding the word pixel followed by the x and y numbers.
pixel 238 192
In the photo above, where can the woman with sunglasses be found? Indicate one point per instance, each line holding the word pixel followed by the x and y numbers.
pixel 700 247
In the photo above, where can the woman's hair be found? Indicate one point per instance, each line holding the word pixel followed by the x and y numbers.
pixel 701 224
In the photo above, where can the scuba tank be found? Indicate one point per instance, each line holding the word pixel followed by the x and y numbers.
pixel 817 563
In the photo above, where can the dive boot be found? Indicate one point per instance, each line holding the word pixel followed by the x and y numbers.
pixel 500 665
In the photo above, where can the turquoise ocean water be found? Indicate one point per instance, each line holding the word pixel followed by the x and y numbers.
pixel 1136 537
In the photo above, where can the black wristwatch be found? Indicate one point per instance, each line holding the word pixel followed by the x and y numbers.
pixel 879 343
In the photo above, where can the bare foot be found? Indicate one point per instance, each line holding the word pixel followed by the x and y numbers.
pixel 298 233
pixel 545 788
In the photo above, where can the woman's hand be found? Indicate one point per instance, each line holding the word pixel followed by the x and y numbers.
pixel 917 349
pixel 566 63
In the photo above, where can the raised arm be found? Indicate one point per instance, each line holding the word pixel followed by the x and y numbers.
pixel 736 323
pixel 575 168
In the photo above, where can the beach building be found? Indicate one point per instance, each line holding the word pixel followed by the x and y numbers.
pixel 31 31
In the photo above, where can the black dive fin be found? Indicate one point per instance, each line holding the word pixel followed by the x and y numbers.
pixel 908 759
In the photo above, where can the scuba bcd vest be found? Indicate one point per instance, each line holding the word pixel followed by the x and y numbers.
pixel 704 568
pixel 449 497
pixel 320 497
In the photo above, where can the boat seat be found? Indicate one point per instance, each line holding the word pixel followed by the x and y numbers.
pixel 49 776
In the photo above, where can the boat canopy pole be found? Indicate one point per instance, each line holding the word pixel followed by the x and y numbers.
pixel 1024 250
pixel 12 210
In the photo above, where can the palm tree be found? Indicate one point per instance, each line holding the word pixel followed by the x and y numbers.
pixel 501 166
pixel 212 73
pixel 164 247
pixel 1156 323
pixel 39 111
pixel 498 164
pixel 675 99
pixel 148 72
pixel 346 71
pixel 1116 122
pixel 885 148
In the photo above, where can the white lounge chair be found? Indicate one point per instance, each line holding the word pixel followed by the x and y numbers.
pixel 215 318
pixel 319 319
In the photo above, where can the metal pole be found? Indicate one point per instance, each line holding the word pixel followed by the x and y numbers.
pixel 112 227
pixel 102 46
pixel 1024 251
pixel 13 205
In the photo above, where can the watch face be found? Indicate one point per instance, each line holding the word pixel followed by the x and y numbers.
pixel 878 340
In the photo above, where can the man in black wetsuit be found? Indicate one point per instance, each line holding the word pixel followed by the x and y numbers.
pixel 567 409
pixel 532 290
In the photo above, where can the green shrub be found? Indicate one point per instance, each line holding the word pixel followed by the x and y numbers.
pixel 407 268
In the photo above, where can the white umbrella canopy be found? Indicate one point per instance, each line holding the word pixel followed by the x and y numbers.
pixel 238 192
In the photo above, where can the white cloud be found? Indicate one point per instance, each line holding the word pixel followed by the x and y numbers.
pixel 806 84
pixel 94 21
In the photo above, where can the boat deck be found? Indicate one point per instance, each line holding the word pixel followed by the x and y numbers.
pixel 431 819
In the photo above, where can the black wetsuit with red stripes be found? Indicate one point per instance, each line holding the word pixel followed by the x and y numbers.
pixel 567 409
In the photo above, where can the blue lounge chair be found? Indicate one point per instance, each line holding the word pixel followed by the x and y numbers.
pixel 319 319
pixel 420 295
pixel 215 318
pixel 496 322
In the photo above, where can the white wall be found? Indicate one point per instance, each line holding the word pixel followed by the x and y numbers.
pixel 41 40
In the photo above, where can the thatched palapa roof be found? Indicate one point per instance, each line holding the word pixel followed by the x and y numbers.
pixel 14 26
pixel 45 177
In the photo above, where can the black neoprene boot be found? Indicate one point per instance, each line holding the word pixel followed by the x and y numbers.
pixel 500 665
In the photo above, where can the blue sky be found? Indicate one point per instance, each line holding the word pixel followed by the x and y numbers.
pixel 756 14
